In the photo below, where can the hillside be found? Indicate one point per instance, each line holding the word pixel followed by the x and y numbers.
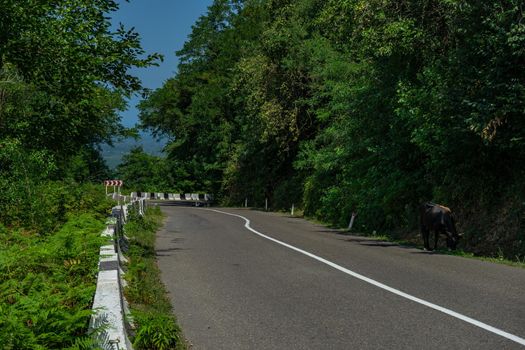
pixel 113 154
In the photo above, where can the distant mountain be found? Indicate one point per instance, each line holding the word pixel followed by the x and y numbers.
pixel 113 155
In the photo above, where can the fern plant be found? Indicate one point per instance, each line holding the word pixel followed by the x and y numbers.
pixel 47 284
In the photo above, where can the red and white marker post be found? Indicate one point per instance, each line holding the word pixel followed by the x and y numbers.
pixel 117 184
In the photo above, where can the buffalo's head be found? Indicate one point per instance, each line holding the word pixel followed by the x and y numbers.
pixel 453 240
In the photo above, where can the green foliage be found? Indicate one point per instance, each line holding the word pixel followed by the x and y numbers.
pixel 63 80
pixel 67 71
pixel 47 284
pixel 195 107
pixel 157 332
pixel 145 173
pixel 64 76
pixel 32 201
pixel 87 166
pixel 150 306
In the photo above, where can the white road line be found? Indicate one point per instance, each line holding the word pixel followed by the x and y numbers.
pixel 384 286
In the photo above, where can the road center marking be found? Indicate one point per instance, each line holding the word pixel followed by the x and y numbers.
pixel 384 286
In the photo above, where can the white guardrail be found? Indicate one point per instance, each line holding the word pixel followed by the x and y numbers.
pixel 183 197
pixel 111 318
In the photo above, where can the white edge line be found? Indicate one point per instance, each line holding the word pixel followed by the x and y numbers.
pixel 384 286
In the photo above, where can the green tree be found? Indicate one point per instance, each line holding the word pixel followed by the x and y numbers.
pixel 67 74
pixel 145 173
pixel 64 74
pixel 194 108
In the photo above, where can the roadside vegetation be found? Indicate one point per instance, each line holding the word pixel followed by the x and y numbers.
pixel 48 273
pixel 363 105
pixel 64 77
pixel 155 325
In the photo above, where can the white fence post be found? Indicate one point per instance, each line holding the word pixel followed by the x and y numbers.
pixel 354 214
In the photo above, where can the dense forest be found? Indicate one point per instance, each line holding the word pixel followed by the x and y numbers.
pixel 371 106
pixel 64 76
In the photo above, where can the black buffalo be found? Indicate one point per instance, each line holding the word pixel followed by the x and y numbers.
pixel 437 218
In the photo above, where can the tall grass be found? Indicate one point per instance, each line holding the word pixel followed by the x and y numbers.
pixel 156 326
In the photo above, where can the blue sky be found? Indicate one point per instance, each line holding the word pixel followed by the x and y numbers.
pixel 164 26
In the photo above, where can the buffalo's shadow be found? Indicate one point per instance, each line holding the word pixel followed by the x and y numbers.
pixel 370 242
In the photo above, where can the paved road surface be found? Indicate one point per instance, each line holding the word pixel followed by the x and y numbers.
pixel 234 289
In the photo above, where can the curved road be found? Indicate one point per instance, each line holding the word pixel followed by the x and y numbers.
pixel 285 283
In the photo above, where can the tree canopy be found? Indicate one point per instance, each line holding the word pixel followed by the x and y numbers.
pixel 64 73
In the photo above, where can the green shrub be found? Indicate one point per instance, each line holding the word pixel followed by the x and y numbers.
pixel 157 331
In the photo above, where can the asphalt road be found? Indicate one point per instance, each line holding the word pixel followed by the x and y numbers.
pixel 232 288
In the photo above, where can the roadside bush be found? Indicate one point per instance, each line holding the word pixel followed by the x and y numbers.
pixel 157 332
pixel 30 199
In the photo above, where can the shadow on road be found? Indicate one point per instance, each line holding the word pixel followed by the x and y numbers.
pixel 181 203
pixel 370 242
pixel 166 252
pixel 332 230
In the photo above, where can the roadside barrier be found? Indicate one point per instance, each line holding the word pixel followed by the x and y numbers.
pixel 111 319
pixel 172 196
pixel 202 198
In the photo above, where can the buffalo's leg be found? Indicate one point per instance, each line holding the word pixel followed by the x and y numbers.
pixel 436 238
pixel 425 233
pixel 451 242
